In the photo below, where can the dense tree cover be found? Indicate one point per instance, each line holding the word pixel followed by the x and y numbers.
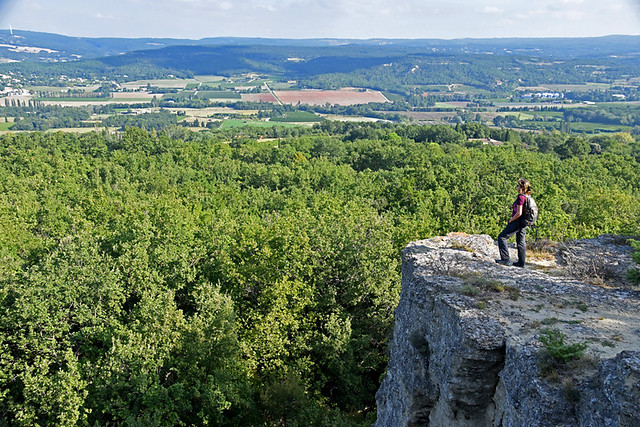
pixel 611 114
pixel 182 278
pixel 39 117
pixel 43 117
pixel 48 74
pixel 157 121
pixel 630 93
pixel 490 72
pixel 634 274
pixel 617 115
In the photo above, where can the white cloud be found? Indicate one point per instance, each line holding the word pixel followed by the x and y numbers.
pixel 535 13
pixel 491 10
pixel 107 17
pixel 326 18
pixel 35 5
pixel 615 7
pixel 572 15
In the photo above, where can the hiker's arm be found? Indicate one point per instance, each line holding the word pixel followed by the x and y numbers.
pixel 517 214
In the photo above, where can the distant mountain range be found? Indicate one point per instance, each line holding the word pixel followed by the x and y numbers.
pixel 46 47
pixel 50 55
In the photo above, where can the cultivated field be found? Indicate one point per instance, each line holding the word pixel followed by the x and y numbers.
pixel 146 96
pixel 428 116
pixel 333 97
pixel 210 111
pixel 234 123
pixel 98 128
pixel 164 83
pixel 339 118
pixel 454 104
pixel 577 87
pixel 82 103
pixel 259 97
pixel 117 98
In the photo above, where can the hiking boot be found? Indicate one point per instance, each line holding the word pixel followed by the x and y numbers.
pixel 503 261
pixel 517 264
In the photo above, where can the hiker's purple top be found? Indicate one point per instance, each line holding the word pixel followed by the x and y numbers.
pixel 519 202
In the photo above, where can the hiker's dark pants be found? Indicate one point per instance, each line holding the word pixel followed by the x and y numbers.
pixel 520 230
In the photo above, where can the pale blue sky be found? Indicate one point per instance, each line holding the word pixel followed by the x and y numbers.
pixel 324 18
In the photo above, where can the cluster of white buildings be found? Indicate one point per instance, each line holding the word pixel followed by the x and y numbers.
pixel 10 91
pixel 544 95
pixel 8 78
pixel 6 82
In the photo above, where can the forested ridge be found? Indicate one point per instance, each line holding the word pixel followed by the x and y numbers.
pixel 389 67
pixel 71 48
pixel 179 278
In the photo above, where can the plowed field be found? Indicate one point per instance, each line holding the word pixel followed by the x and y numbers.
pixel 258 97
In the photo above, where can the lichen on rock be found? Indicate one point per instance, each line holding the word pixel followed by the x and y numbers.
pixel 466 348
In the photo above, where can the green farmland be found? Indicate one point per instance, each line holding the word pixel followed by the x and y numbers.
pixel 297 116
pixel 237 123
pixel 218 94
pixel 70 99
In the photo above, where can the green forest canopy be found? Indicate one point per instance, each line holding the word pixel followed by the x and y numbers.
pixel 181 278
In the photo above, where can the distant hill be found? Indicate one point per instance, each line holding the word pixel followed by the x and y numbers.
pixel 294 62
pixel 382 64
pixel 64 48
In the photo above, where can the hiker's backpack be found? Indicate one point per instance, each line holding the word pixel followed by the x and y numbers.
pixel 530 211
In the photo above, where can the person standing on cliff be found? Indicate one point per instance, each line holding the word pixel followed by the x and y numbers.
pixel 515 226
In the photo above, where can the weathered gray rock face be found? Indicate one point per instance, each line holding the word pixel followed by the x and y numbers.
pixel 466 348
pixel 606 258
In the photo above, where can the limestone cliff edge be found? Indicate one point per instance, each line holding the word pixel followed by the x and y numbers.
pixel 467 350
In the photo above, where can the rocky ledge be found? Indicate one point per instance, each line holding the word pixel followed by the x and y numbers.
pixel 480 344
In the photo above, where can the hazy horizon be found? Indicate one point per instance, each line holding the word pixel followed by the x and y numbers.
pixel 305 19
pixel 17 30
